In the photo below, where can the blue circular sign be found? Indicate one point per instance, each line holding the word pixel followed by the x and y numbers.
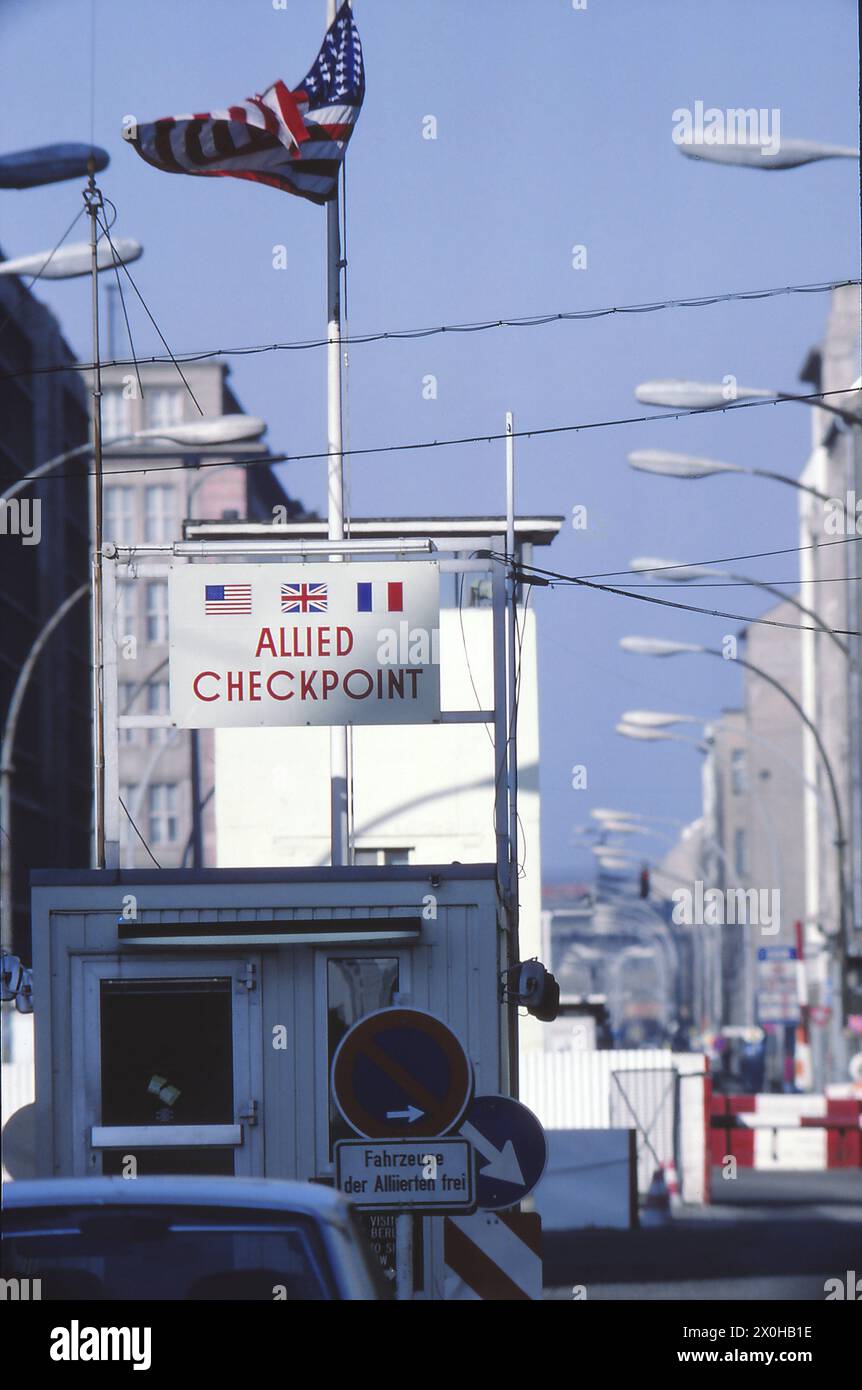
pixel 401 1074
pixel 511 1150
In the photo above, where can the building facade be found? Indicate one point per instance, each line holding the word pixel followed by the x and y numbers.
pixel 166 775
pixel 44 546
pixel 831 677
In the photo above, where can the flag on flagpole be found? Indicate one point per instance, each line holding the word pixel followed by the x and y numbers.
pixel 294 139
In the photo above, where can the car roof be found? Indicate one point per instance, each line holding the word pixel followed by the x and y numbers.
pixel 272 1194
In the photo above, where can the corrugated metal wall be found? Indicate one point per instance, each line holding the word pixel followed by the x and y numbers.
pixel 628 1089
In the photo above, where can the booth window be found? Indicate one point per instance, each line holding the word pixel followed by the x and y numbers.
pixel 355 986
pixel 381 856
pixel 167 1059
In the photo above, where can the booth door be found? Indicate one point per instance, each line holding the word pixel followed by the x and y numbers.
pixel 166 1066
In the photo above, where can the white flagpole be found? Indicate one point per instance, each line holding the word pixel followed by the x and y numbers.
pixel 338 798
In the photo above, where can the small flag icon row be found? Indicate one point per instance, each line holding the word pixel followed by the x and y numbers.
pixel 372 596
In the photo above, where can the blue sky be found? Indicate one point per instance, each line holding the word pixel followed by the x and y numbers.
pixel 553 129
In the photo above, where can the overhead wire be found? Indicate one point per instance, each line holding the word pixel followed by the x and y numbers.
pixel 149 315
pixel 555 580
pixel 41 271
pixel 494 437
pixel 484 325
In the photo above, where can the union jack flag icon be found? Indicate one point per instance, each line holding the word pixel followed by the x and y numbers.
pixel 304 598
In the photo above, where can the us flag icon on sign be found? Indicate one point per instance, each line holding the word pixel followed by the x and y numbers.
pixel 226 598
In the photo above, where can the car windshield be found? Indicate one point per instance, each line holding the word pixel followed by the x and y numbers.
pixel 167 1252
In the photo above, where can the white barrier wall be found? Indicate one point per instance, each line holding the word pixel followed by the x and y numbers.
pixel 593 1090
pixel 17 1072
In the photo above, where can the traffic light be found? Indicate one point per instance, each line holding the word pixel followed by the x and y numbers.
pixel 644 881
pixel 538 991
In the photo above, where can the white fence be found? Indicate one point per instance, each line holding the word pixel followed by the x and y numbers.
pixel 17 1076
pixel 598 1090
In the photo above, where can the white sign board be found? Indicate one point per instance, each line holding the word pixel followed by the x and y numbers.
pixel 435 1174
pixel 296 644
pixel 778 985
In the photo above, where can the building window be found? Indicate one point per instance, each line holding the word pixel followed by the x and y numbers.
pixel 159 522
pixel 119 519
pixel 381 856
pixel 126 623
pixel 481 595
pixel 163 821
pixel 157 610
pixel 116 415
pixel 158 702
pixel 738 772
pixel 164 408
pixel 740 852
pixel 125 691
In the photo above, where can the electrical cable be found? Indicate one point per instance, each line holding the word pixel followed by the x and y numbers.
pixel 41 271
pixel 116 261
pixel 138 833
pixel 149 315
pixel 557 580
pixel 725 559
pixel 481 326
pixel 495 437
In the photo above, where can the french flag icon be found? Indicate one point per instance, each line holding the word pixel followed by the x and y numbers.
pixel 379 596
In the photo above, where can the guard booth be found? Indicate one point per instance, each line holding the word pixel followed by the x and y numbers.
pixel 194 1015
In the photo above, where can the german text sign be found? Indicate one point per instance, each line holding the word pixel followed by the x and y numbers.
pixel 400 1174
pixel 298 644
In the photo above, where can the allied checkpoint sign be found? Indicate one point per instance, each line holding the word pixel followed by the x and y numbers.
pixel 300 644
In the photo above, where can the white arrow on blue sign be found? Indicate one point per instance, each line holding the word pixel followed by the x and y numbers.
pixel 511 1147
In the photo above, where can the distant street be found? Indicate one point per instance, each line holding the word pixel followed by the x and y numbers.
pixel 772 1235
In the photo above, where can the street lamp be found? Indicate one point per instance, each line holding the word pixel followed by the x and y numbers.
pixel 602 813
pixel 689 466
pixel 656 646
pixel 50 164
pixel 197 434
pixel 667 569
pixel 657 719
pixel 647 719
pixel 71 261
pixel 705 395
pixel 637 731
pixel 790 154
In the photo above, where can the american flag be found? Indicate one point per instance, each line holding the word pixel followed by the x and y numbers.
pixel 227 598
pixel 304 598
pixel 293 140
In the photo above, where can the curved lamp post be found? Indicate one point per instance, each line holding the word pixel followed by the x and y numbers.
pixel 686 574
pixel 676 394
pixel 73 260
pixel 197 434
pixel 689 466
pixel 657 646
pixel 50 164
pixel 790 154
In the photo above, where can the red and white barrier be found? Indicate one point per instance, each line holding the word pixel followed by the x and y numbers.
pixel 813 1132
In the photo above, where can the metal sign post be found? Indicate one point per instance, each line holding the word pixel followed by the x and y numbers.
pixel 512 885
pixel 338 737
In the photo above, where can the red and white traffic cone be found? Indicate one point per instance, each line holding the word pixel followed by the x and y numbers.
pixel 656 1207
pixel 672 1180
